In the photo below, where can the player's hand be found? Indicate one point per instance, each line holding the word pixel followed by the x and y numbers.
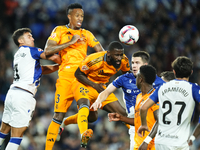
pixel 190 142
pixel 99 87
pixel 114 117
pixel 141 130
pixel 143 146
pixel 75 38
pixel 96 105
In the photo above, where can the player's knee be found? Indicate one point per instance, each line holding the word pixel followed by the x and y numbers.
pixel 83 101
pixel 93 116
pixel 59 116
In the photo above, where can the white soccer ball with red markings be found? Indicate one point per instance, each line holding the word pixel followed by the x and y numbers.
pixel 129 35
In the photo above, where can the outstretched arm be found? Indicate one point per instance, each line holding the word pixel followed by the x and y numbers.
pixel 47 69
pixel 102 96
pixel 52 47
pixel 98 48
pixel 118 117
pixel 55 58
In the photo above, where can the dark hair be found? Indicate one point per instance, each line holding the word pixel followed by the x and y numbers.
pixel 182 66
pixel 144 55
pixel 115 45
pixel 167 75
pixel 19 32
pixel 149 73
pixel 73 6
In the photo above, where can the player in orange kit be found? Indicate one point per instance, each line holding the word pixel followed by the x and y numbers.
pixel 144 81
pixel 92 75
pixel 71 42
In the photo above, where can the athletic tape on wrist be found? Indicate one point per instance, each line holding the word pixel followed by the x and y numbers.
pixel 147 139
pixel 192 138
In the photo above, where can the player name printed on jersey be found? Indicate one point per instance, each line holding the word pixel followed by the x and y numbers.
pixel 175 89
pixel 177 102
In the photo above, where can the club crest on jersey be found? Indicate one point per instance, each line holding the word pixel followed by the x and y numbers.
pixel 40 50
pixel 53 35
pixel 84 68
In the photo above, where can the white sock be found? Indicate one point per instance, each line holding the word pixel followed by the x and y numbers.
pixel 14 143
pixel 63 125
pixel 2 138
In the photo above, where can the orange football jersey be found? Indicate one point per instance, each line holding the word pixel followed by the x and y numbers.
pixel 150 118
pixel 73 55
pixel 97 69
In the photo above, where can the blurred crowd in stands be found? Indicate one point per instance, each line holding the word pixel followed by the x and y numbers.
pixel 168 28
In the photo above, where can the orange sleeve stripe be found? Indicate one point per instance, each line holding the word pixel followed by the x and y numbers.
pixel 95 61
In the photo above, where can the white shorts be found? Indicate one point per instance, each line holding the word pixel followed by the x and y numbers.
pixel 18 108
pixel 165 147
pixel 132 134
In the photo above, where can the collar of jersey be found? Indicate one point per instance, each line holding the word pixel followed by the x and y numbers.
pixel 69 27
pixel 105 56
pixel 24 46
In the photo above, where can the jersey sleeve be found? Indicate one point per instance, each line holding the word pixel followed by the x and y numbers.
pixel 155 107
pixel 125 64
pixel 118 82
pixel 154 95
pixel 36 52
pixel 92 41
pixel 55 34
pixel 89 64
pixel 196 92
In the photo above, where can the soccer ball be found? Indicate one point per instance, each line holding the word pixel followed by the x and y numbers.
pixel 129 35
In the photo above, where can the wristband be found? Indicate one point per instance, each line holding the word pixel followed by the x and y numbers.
pixel 147 139
pixel 192 138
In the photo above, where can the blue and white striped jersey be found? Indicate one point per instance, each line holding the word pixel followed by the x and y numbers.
pixel 27 69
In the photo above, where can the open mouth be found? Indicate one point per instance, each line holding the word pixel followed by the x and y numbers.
pixel 79 23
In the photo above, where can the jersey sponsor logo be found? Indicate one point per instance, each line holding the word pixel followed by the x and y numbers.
pixel 167 135
pixel 128 91
pixel 53 35
pixel 40 50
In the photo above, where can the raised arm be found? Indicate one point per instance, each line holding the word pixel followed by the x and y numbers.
pixel 118 117
pixel 81 76
pixel 98 48
pixel 55 58
pixel 53 47
pixel 102 96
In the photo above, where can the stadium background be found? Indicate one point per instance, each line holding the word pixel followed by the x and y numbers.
pixel 168 28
